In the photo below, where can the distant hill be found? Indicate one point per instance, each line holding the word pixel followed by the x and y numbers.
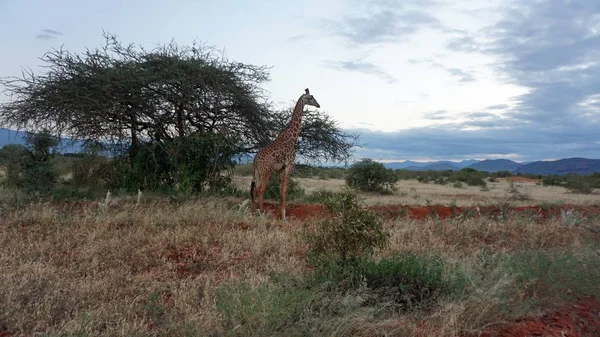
pixel 439 166
pixel 403 164
pixel 495 165
pixel 562 166
pixel 8 136
pixel 432 165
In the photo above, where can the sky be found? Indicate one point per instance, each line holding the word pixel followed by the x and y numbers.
pixel 417 79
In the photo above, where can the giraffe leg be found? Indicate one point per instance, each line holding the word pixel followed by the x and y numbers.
pixel 283 186
pixel 264 180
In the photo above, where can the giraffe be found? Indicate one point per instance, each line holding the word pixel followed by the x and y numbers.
pixel 279 157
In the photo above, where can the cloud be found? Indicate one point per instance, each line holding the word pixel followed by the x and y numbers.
pixel 51 32
pixel 463 76
pixel 48 34
pixel 476 115
pixel 503 139
pixel 550 47
pixel 361 67
pixel 436 115
pixel 497 107
pixel 384 21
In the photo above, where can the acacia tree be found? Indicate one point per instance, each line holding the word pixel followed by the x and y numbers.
pixel 132 97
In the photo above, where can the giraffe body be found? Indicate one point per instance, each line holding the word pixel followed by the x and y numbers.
pixel 278 157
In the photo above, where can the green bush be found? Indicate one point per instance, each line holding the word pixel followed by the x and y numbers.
pixel 350 231
pixel 11 158
pixel 370 176
pixel 409 281
pixel 319 196
pixel 38 173
pixel 190 164
pixel 294 190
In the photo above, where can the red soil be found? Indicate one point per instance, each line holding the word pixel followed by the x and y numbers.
pixel 302 212
pixel 575 320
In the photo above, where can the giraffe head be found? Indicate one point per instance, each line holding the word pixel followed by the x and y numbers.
pixel 308 99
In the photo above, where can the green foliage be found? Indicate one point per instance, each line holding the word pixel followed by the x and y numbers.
pixel 350 231
pixel 11 158
pixel 370 176
pixel 581 184
pixel 470 177
pixel 335 293
pixel 38 174
pixel 409 281
pixel 320 196
pixel 294 191
pixel 191 164
pixel 307 171
pixel 92 169
pixel 260 310
pixel 501 174
pixel 466 175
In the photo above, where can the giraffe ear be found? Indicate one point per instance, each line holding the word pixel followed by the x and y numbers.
pixel 307 92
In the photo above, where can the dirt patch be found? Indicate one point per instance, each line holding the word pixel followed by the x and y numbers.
pixel 302 212
pixel 576 320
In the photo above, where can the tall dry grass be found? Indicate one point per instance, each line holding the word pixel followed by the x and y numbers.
pixel 154 266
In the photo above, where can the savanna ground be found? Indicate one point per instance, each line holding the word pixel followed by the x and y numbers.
pixel 514 259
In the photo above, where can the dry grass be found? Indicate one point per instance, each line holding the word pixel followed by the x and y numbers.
pixel 116 267
pixel 412 192
pixel 64 266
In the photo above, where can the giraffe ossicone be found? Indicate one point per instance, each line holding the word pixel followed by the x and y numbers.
pixel 279 157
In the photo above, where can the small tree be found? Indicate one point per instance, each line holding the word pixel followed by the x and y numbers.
pixel 38 174
pixel 349 232
pixel 370 176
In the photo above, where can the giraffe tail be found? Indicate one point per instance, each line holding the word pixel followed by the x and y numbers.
pixel 252 190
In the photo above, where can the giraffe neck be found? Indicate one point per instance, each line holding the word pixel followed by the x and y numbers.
pixel 296 120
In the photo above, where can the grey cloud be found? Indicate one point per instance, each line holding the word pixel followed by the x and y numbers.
pixel 499 137
pixel 480 115
pixel 552 50
pixel 48 34
pixel 463 43
pixel 436 115
pixel 463 76
pixel 51 32
pixel 383 21
pixel 361 67
pixel 498 107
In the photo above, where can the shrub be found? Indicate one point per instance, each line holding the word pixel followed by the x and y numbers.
pixel 349 232
pixel 294 190
pixel 319 196
pixel 11 158
pixel 38 174
pixel 370 176
pixel 579 185
pixel 191 164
